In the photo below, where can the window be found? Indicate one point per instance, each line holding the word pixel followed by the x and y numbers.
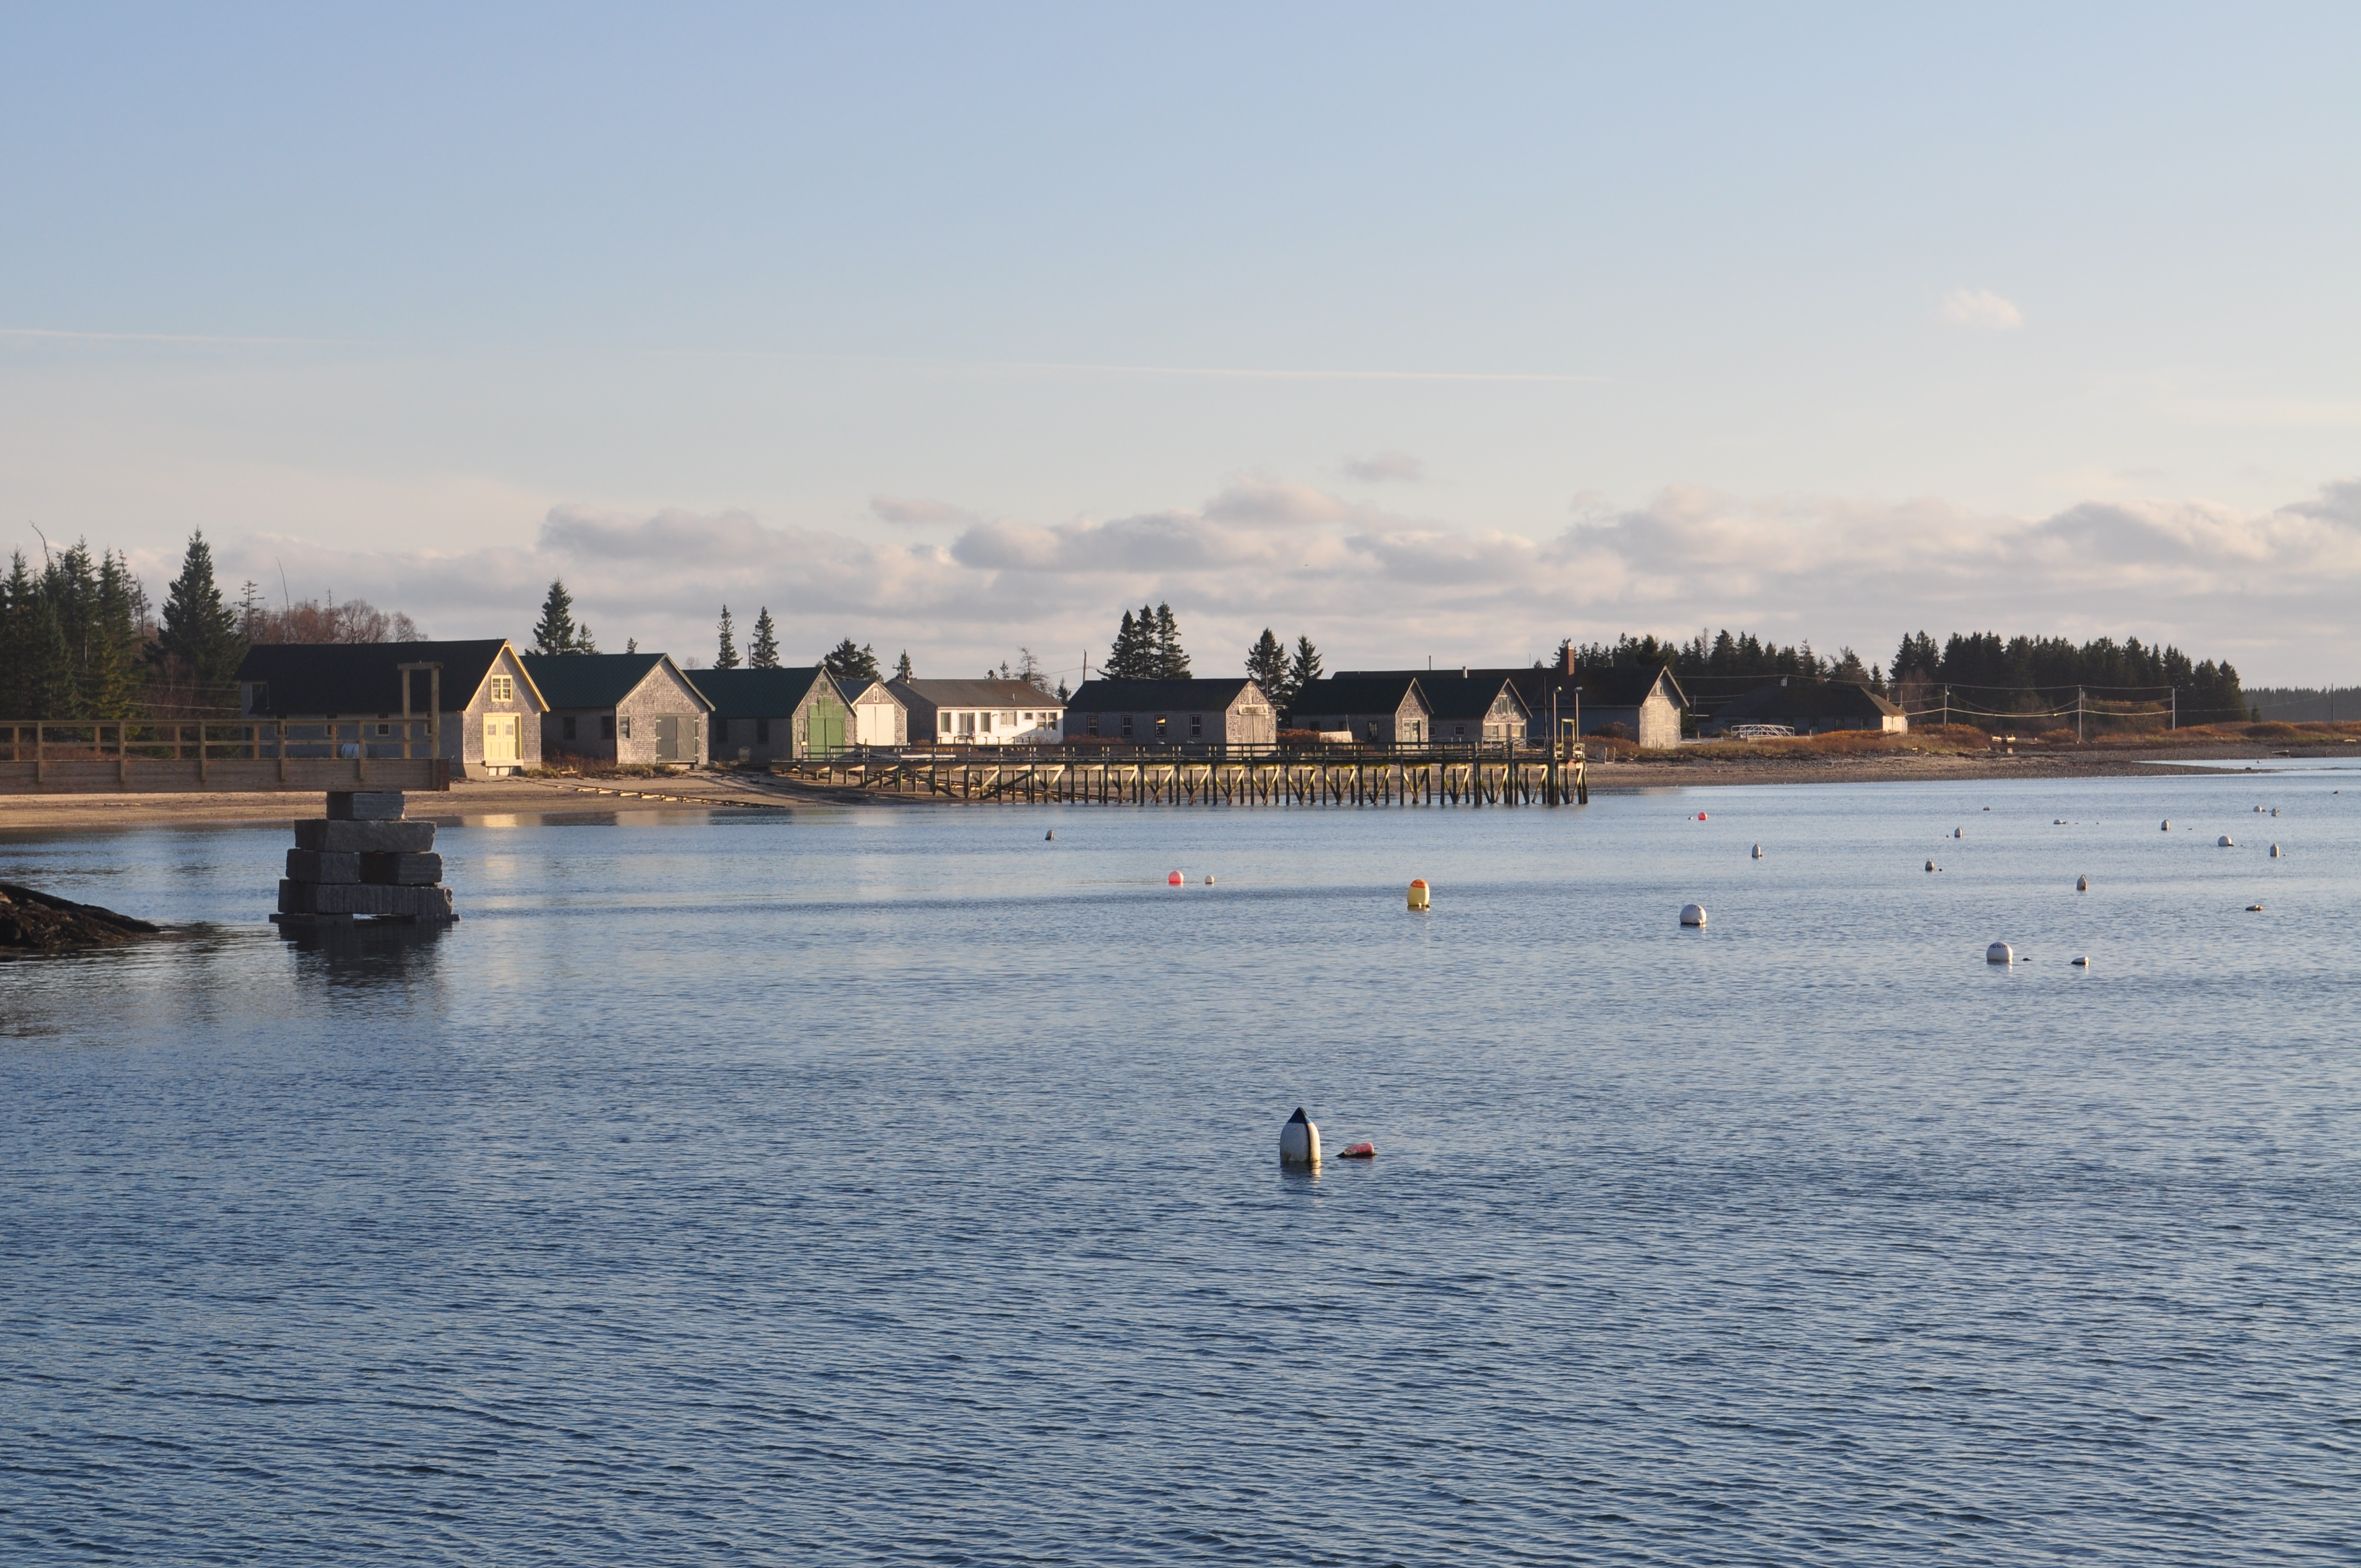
pixel 1373 728
pixel 1196 725
pixel 385 728
pixel 1126 727
pixel 504 689
pixel 1094 725
pixel 569 725
pixel 626 722
pixel 721 731
pixel 762 733
pixel 967 723
pixel 1459 731
pixel 1163 726
pixel 987 724
pixel 606 727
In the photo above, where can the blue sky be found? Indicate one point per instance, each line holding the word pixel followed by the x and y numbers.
pixel 1423 331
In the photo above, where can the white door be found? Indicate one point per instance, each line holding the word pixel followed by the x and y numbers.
pixel 500 740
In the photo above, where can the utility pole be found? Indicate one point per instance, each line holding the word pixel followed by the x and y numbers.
pixel 1947 707
pixel 2175 722
pixel 2079 737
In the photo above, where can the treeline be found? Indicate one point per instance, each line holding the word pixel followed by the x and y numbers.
pixel 1982 671
pixel 78 639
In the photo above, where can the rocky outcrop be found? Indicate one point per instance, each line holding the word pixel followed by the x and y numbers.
pixel 43 923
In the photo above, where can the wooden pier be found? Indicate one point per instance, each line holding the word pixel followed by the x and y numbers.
pixel 1015 776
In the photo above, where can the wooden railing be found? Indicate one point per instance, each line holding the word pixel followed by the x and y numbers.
pixel 137 755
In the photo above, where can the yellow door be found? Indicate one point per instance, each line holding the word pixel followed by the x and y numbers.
pixel 499 739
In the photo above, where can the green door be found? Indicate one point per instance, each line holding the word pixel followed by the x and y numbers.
pixel 826 732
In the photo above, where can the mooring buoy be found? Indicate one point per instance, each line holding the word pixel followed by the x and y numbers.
pixel 1418 894
pixel 2224 842
pixel 1052 833
pixel 2081 884
pixel 1357 1151
pixel 1758 851
pixel 2000 953
pixel 1175 879
pixel 1299 1141
pixel 1692 914
pixel 2165 826
pixel 2274 851
pixel 1930 865
pixel 2254 909
pixel 1209 879
pixel 2081 963
pixel 1959 832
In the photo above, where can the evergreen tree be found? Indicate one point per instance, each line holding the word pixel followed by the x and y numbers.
pixel 1171 659
pixel 726 657
pixel 1062 692
pixel 1267 665
pixel 902 670
pixel 1305 669
pixel 586 643
pixel 1029 671
pixel 200 639
pixel 1128 660
pixel 114 687
pixel 765 653
pixel 846 662
pixel 20 686
pixel 555 633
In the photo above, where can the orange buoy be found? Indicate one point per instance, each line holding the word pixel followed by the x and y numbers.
pixel 1700 816
pixel 1360 1151
pixel 1175 879
pixel 1418 894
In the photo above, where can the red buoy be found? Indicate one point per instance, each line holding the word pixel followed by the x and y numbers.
pixel 1360 1151
pixel 1175 879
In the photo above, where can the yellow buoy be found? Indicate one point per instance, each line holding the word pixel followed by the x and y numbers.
pixel 1418 894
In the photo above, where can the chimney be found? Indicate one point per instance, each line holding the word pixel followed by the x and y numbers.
pixel 1568 671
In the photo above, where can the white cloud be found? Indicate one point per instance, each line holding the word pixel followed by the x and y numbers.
pixel 2261 587
pixel 1385 467
pixel 917 511
pixel 1981 310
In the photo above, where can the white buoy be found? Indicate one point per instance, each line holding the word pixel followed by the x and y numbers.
pixel 1932 866
pixel 1299 1141
pixel 2000 953
pixel 1959 832
pixel 2224 842
pixel 2165 826
pixel 1758 851
pixel 2081 884
pixel 1692 914
pixel 2274 851
pixel 1209 880
pixel 2082 963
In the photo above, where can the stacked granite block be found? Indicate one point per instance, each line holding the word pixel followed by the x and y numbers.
pixel 362 860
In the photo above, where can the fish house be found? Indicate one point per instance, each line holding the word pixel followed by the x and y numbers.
pixel 633 709
pixel 1231 711
pixel 491 707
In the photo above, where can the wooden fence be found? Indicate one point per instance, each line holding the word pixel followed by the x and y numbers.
pixel 141 756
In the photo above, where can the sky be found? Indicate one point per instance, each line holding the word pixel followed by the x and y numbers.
pixel 1430 333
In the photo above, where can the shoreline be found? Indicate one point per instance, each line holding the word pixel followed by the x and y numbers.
pixel 713 791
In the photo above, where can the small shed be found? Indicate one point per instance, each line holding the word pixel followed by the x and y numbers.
pixel 1644 699
pixel 1375 710
pixel 877 715
pixel 1809 707
pixel 772 716
pixel 979 713
pixel 1230 711
pixel 489 722
pixel 1474 707
pixel 634 709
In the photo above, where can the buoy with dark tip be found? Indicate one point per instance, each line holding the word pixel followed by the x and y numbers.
pixel 1959 832
pixel 1418 894
pixel 2081 884
pixel 2274 851
pixel 1175 879
pixel 1758 851
pixel 1357 1151
pixel 1692 914
pixel 2000 953
pixel 2224 842
pixel 1299 1141
pixel 1933 867
pixel 2081 963
pixel 2165 826
pixel 1052 833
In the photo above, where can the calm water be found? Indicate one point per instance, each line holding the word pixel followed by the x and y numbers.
pixel 893 1186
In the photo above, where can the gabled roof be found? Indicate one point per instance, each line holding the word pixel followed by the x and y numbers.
pixel 1451 695
pixel 974 694
pixel 1625 686
pixel 1159 697
pixel 312 679
pixel 595 680
pixel 1358 693
pixel 1789 700
pixel 853 688
pixel 758 694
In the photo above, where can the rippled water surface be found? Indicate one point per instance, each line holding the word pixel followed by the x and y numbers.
pixel 870 1186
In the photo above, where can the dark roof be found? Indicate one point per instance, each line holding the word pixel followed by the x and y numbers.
pixel 1792 700
pixel 973 693
pixel 853 688
pixel 757 694
pixel 314 678
pixel 1625 686
pixel 1450 695
pixel 1158 696
pixel 591 680
pixel 1355 693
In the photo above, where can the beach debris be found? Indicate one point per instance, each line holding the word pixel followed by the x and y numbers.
pixel 1175 879
pixel 2224 842
pixel 2081 884
pixel 2082 962
pixel 1299 1141
pixel 44 923
pixel 2000 953
pixel 1418 894
pixel 1758 851
pixel 1357 1151
pixel 1692 914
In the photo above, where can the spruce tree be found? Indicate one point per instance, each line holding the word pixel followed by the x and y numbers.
pixel 764 652
pixel 17 685
pixel 726 658
pixel 553 633
pixel 1304 670
pixel 1171 659
pixel 1123 659
pixel 200 638
pixel 847 663
pixel 116 691
pixel 1267 665
pixel 902 669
